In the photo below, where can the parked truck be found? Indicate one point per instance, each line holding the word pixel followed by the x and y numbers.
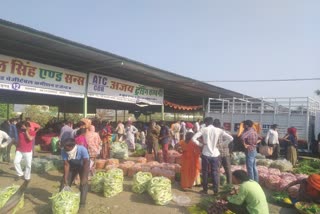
pixel 302 113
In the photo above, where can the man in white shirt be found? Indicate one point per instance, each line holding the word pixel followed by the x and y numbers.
pixel 210 153
pixel 197 126
pixel 272 139
pixel 120 130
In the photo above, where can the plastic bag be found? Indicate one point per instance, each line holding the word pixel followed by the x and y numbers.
pixel 181 200
pixel 54 144
pixel 266 150
pixel 282 165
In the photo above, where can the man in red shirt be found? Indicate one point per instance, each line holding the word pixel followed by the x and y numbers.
pixel 33 125
pixel 24 150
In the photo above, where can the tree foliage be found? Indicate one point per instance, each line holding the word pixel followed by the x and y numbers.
pixel 40 115
pixel 3 112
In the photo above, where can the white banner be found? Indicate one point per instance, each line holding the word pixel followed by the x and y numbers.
pixel 104 87
pixel 22 75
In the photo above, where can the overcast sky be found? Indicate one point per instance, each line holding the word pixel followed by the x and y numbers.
pixel 206 40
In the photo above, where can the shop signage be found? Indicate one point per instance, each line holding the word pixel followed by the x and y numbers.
pixel 104 87
pixel 22 75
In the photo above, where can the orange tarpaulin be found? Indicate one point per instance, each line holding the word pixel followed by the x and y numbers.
pixel 181 107
pixel 256 127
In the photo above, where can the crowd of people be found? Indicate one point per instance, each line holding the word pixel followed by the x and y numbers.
pixel 205 147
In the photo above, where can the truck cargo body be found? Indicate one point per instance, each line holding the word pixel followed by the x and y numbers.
pixel 298 112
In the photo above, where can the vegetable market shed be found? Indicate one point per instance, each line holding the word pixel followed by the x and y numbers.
pixel 29 58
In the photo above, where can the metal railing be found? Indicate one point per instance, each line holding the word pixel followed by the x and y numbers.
pixel 279 105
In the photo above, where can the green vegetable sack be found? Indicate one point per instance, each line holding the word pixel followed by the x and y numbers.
pixel 159 189
pixel 119 150
pixel 5 195
pixel 65 202
pixel 97 181
pixel 55 144
pixel 141 181
pixel 113 183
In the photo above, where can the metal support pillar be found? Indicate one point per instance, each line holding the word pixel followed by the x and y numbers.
pixel 85 100
pixel 162 112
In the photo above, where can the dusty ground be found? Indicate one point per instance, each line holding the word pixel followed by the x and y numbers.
pixel 42 186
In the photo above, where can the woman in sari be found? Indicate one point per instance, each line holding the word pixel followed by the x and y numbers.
pixel 292 144
pixel 190 166
pixel 105 134
pixel 93 140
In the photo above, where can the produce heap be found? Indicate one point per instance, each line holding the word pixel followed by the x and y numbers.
pixel 97 181
pixel 5 195
pixel 141 181
pixel 159 189
pixel 113 183
pixel 65 202
pixel 119 150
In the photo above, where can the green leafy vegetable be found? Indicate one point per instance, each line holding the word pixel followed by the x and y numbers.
pixel 5 195
pixel 308 208
pixel 113 183
pixel 97 181
pixel 308 167
pixel 196 210
pixel 206 202
pixel 119 150
pixel 141 181
pixel 279 196
pixel 65 202
pixel 159 189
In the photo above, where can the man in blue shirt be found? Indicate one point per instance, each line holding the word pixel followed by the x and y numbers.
pixel 13 133
pixel 76 161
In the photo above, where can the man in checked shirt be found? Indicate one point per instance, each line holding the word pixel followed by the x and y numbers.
pixel 250 139
pixel 224 153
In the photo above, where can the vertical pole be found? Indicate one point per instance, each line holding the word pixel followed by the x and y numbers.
pixel 85 100
pixel 64 108
pixel 232 115
pixel 308 125
pixel 8 111
pixel 58 116
pixel 262 111
pixel 274 110
pixel 289 113
pixel 204 108
pixel 124 115
pixel 116 114
pixel 162 111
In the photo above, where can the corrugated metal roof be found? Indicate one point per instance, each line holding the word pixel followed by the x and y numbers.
pixel 27 43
